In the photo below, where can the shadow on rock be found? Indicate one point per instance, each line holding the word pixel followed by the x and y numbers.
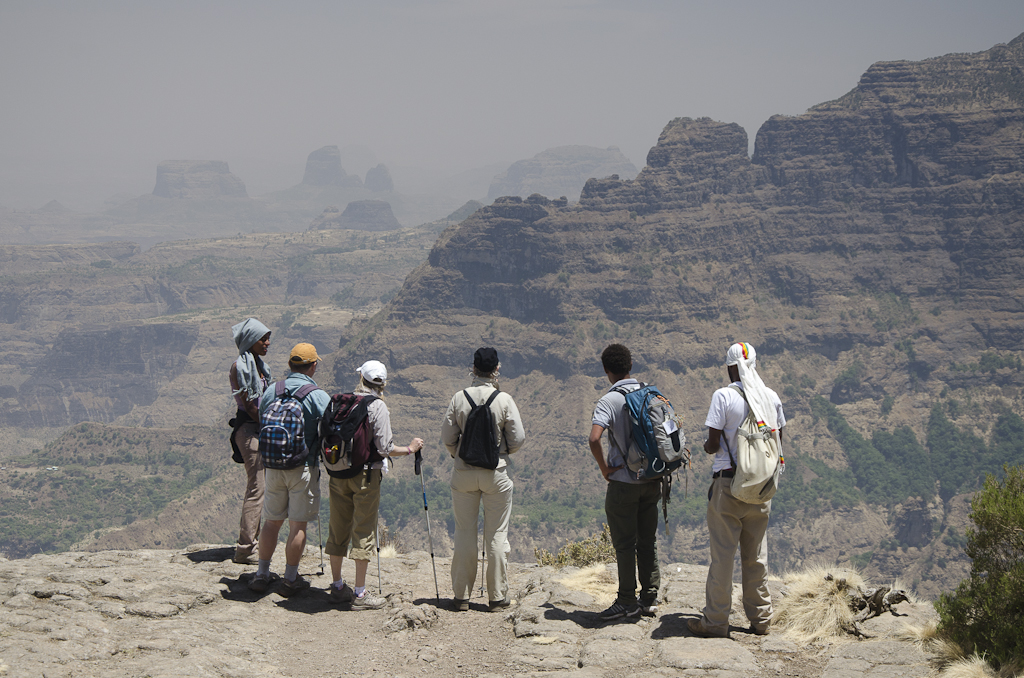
pixel 582 618
pixel 212 555
pixel 672 626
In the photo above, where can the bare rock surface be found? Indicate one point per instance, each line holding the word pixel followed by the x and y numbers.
pixel 359 215
pixel 189 612
pixel 561 171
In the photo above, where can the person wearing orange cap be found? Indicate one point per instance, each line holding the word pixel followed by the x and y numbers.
pixel 293 493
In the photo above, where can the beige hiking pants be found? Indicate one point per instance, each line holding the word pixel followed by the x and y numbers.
pixel 494 490
pixel 732 522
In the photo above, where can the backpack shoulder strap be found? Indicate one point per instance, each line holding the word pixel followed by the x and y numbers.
pixel 740 391
pixel 279 389
pixel 304 390
pixel 468 399
pixel 491 399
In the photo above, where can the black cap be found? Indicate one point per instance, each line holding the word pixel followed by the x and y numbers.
pixel 485 360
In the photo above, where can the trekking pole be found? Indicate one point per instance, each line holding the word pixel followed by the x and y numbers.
pixel 426 512
pixel 376 538
pixel 320 536
pixel 483 563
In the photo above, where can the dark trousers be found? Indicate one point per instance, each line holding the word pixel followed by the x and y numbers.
pixel 632 512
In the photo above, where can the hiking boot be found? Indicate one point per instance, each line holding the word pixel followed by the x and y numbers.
pixel 649 608
pixel 342 596
pixel 460 604
pixel 290 588
pixel 368 601
pixel 618 611
pixel 760 629
pixel 699 627
pixel 496 605
pixel 261 582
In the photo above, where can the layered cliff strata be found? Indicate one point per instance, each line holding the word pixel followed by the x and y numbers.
pixel 899 204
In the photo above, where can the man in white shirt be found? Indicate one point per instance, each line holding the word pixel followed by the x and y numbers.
pixel 731 522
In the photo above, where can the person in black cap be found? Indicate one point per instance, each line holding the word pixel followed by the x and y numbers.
pixel 480 449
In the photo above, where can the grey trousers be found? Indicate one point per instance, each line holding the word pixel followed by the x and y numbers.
pixel 733 523
pixel 469 489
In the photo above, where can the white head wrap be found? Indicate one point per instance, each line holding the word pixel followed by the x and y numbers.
pixel 247 333
pixel 744 358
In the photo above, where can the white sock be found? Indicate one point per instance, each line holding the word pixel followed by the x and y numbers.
pixel 263 567
pixel 360 590
pixel 291 572
pixel 340 584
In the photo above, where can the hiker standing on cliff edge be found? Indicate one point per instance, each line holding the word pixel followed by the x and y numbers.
pixel 480 445
pixel 732 522
pixel 630 505
pixel 249 377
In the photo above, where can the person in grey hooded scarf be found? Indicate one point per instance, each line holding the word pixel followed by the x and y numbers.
pixel 249 377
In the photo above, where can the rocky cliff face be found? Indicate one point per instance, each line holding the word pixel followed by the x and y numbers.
pixel 870 250
pixel 98 375
pixel 560 171
pixel 197 180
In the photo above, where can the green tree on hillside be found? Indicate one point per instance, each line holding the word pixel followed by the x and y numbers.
pixel 986 612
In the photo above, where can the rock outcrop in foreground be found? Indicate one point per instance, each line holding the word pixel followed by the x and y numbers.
pixel 197 180
pixel 190 613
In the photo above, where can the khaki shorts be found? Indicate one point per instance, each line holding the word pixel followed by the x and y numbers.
pixel 293 494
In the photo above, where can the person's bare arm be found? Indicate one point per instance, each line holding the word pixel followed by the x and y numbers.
pixel 714 440
pixel 598 452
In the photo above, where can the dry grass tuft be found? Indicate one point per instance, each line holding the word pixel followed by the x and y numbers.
pixel 816 610
pixel 388 551
pixel 969 667
pixel 595 580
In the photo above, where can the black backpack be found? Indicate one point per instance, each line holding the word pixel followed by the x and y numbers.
pixel 345 435
pixel 479 443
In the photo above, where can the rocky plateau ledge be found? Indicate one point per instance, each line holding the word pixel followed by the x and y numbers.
pixel 190 613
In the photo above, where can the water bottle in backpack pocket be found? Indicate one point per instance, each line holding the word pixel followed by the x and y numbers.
pixel 346 438
pixel 656 443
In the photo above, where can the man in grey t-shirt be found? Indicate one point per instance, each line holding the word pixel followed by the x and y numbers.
pixel 630 505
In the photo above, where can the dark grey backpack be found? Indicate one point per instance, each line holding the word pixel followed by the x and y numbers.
pixel 478 445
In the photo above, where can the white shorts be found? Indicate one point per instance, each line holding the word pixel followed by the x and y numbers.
pixel 292 493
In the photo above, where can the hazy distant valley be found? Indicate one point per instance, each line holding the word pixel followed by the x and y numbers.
pixel 872 250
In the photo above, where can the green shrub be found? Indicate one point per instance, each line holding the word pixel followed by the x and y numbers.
pixel 596 549
pixel 986 612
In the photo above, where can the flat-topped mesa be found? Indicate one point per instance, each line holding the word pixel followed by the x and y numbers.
pixel 192 179
pixel 359 215
pixel 323 168
pixel 693 161
pixel 920 124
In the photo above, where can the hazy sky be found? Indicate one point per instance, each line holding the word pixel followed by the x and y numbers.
pixel 95 94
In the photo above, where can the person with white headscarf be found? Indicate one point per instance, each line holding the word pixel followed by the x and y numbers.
pixel 249 377
pixel 731 522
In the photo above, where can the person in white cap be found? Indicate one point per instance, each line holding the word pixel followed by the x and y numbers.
pixel 732 522
pixel 355 498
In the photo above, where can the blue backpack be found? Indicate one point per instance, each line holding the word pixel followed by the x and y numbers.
pixel 282 428
pixel 656 441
